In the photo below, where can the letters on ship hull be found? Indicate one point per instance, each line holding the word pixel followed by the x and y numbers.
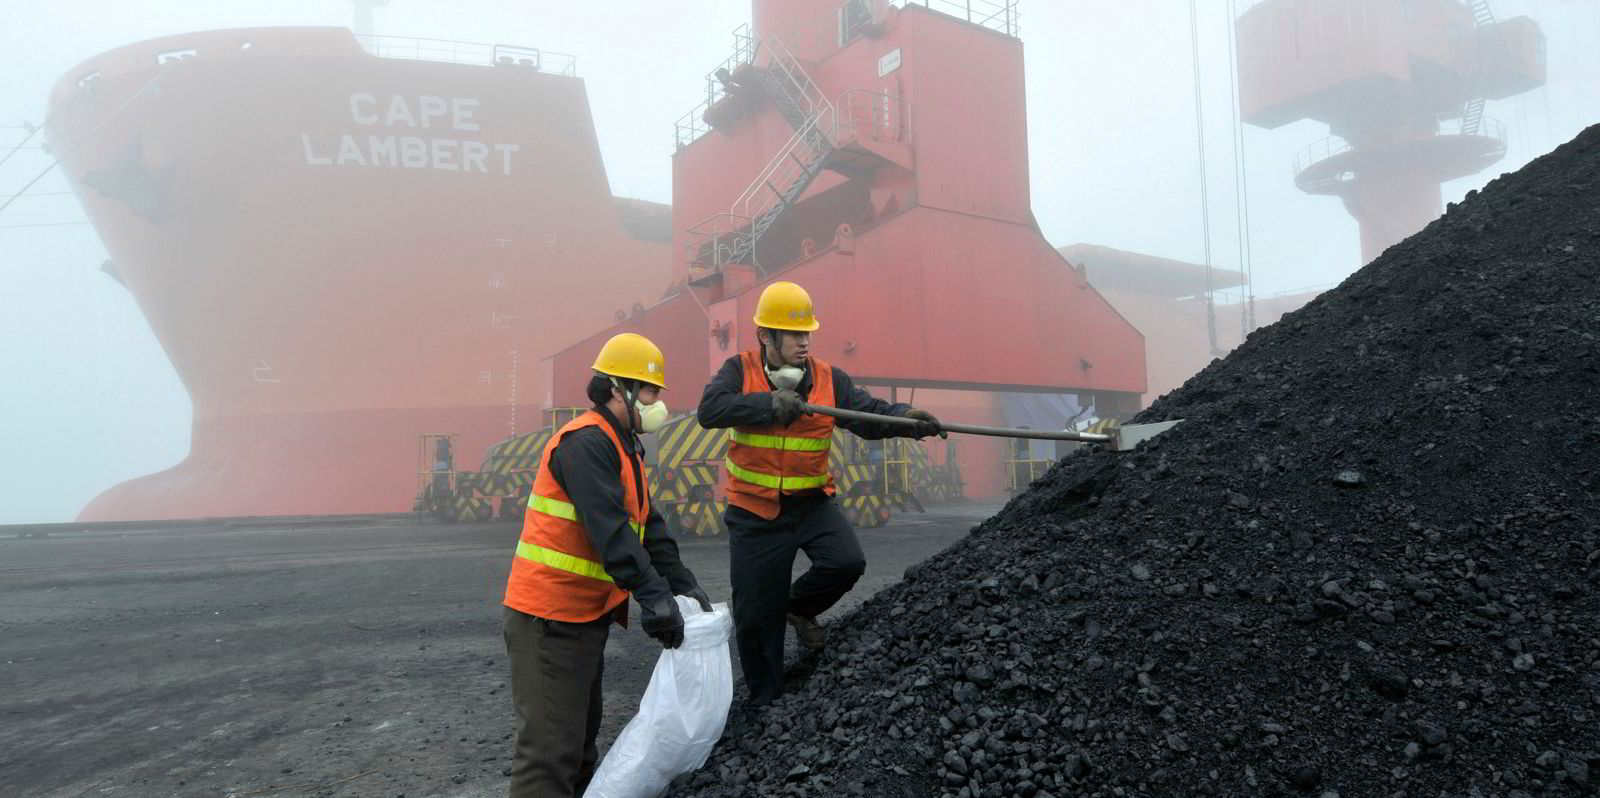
pixel 340 251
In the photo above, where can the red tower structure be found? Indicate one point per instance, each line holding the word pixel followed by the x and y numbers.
pixel 876 153
pixel 1402 85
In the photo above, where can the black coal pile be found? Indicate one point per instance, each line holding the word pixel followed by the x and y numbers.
pixel 1366 564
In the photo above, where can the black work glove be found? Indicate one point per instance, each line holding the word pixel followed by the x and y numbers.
pixel 662 621
pixel 699 594
pixel 786 406
pixel 928 427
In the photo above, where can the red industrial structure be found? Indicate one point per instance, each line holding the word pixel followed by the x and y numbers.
pixel 876 153
pixel 1401 83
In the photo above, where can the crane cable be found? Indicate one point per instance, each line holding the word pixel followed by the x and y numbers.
pixel 25 139
pixel 96 129
pixel 1205 199
pixel 1241 178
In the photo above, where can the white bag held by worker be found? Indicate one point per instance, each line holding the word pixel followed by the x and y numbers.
pixel 681 715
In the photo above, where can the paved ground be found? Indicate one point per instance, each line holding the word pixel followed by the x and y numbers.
pixel 275 661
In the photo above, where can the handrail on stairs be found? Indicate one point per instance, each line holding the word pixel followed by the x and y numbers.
pixel 692 125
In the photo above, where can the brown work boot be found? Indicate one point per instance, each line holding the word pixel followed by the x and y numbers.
pixel 808 632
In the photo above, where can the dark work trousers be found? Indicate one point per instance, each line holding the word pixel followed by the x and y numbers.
pixel 555 683
pixel 761 555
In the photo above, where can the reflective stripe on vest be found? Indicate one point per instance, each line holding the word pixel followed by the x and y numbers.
pixel 567 512
pixel 562 562
pixel 782 442
pixel 559 560
pixel 776 483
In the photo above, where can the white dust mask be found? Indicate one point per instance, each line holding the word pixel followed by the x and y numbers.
pixel 786 377
pixel 652 416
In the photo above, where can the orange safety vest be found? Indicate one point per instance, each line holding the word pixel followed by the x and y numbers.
pixel 767 461
pixel 556 574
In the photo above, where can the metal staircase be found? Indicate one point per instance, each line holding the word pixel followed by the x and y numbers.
pixel 780 91
pixel 1472 109
pixel 1482 13
pixel 1472 116
pixel 791 171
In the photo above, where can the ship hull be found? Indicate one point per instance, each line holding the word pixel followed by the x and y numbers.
pixel 341 252
pixel 336 463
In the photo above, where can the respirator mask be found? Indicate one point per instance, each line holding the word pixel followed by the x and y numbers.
pixel 786 377
pixel 652 417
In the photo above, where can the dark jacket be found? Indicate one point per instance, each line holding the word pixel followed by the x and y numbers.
pixel 724 403
pixel 586 466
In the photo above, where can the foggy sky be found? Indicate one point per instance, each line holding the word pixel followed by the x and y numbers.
pixel 88 399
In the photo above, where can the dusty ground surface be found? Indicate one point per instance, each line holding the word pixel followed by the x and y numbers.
pixel 210 661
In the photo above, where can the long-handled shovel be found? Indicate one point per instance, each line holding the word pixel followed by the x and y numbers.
pixel 1121 439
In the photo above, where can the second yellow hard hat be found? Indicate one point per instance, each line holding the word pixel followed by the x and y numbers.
pixel 786 306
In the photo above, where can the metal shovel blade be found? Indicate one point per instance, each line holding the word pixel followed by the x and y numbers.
pixel 1127 438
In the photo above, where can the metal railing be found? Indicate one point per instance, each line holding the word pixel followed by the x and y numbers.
pixel 862 113
pixel 815 40
pixel 713 243
pixel 793 161
pixel 692 125
pixel 858 113
pixel 897 465
pixel 1482 12
pixel 1335 146
pixel 796 83
pixel 1319 151
pixel 476 53
pixel 811 142
pixel 1023 471
pixel 1000 16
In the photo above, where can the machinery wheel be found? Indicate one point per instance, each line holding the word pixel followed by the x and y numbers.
pixel 512 508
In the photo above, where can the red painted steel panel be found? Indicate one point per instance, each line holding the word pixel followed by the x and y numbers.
pixel 945 298
pixel 324 303
pixel 964 85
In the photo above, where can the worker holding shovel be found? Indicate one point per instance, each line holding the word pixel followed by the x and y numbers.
pixel 780 491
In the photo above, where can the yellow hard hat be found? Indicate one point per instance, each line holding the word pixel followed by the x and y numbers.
pixel 786 306
pixel 631 356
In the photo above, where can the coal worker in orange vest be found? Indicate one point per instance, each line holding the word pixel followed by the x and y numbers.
pixel 780 492
pixel 590 539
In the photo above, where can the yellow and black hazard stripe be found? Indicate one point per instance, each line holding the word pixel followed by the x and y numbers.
pixel 683 440
pixel 468 509
pixel 698 516
pixel 664 485
pixel 857 479
pixel 688 467
pixel 677 484
pixel 512 484
pixel 519 453
pixel 904 502
pixel 469 483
